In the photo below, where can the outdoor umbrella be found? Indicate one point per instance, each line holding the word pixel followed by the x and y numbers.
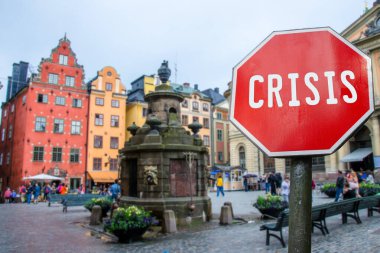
pixel 42 177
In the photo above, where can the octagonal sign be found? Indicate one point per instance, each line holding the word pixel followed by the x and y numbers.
pixel 302 92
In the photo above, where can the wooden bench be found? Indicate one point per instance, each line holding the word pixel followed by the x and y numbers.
pixel 347 208
pixel 71 199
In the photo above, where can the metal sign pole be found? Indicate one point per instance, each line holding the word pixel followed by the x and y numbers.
pixel 300 222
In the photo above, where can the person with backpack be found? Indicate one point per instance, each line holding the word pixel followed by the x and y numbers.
pixel 47 191
pixel 29 193
pixel 115 190
pixel 22 192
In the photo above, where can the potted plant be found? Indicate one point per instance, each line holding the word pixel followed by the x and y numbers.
pixel 329 190
pixel 105 203
pixel 368 189
pixel 130 223
pixel 271 205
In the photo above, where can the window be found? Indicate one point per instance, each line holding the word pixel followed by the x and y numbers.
pixel 318 163
pixel 57 154
pixel 13 108
pixel 185 104
pixel 3 134
pixel 98 141
pixel 99 101
pixel 113 164
pixel 58 126
pixel 74 155
pixel 42 98
pixel 40 124
pixel 63 59
pixel 206 140
pixel 53 78
pixel 59 100
pixel 114 121
pixel 38 154
pixel 145 112
pixel 269 164
pixel 218 115
pixel 97 164
pixel 185 120
pixel 5 113
pixel 98 119
pixel 108 86
pixel 24 99
pixel 70 80
pixel 10 131
pixel 195 106
pixel 77 103
pixel 220 156
pixel 1 159
pixel 115 103
pixel 242 157
pixel 219 134
pixel 114 142
pixel 195 119
pixel 8 158
pixel 206 123
pixel 205 107
pixel 75 127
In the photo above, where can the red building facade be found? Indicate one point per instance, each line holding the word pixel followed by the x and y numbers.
pixel 45 124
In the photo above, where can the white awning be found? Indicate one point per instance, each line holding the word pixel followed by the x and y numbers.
pixel 357 156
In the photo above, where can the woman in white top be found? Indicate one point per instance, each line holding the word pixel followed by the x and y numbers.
pixel 370 179
pixel 285 189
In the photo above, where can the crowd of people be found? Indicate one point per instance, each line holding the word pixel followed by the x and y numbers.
pixel 348 184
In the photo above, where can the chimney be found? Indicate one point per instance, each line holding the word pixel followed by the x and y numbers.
pixel 216 90
pixel 187 85
pixel 195 86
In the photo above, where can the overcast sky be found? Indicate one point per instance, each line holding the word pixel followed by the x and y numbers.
pixel 205 39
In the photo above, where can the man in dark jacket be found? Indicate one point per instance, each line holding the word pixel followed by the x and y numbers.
pixel 339 185
pixel 272 182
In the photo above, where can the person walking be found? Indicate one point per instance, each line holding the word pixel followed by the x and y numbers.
pixel 29 193
pixel 63 189
pixel 339 185
pixel 272 182
pixel 219 185
pixel 267 184
pixel 22 192
pixel 37 193
pixel 7 195
pixel 115 190
pixel 285 189
pixel 278 183
pixel 245 183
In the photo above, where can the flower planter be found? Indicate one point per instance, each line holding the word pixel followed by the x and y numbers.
pixel 270 212
pixel 130 235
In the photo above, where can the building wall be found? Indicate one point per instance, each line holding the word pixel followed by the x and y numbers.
pixel 107 75
pixel 134 113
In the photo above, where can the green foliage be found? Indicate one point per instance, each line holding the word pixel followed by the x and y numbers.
pixel 105 203
pixel 327 187
pixel 270 201
pixel 132 217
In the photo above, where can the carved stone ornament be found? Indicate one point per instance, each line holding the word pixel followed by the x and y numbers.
pixel 150 175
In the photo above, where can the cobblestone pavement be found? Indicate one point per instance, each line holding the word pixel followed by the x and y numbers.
pixel 38 228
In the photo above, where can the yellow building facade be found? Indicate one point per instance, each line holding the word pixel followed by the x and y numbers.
pixel 106 129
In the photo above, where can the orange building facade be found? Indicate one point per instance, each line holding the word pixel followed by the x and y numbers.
pixel 45 124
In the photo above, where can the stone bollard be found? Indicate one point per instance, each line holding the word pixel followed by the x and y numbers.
pixel 225 216
pixel 96 216
pixel 169 224
pixel 228 203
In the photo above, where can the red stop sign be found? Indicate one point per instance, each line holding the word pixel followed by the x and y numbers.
pixel 302 92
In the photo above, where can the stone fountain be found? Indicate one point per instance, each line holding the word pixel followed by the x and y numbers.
pixel 163 166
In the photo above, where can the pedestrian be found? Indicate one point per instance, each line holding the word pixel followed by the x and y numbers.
pixel 245 183
pixel 278 183
pixel 63 189
pixel 115 190
pixel 369 178
pixel 81 189
pixel 37 193
pixel 29 193
pixel 219 185
pixel 354 183
pixel 59 188
pixel 272 182
pixel 47 192
pixel 339 185
pixel 22 192
pixel 285 189
pixel 7 195
pixel 267 184
pixel 13 196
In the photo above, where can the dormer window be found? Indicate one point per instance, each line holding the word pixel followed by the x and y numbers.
pixel 63 59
